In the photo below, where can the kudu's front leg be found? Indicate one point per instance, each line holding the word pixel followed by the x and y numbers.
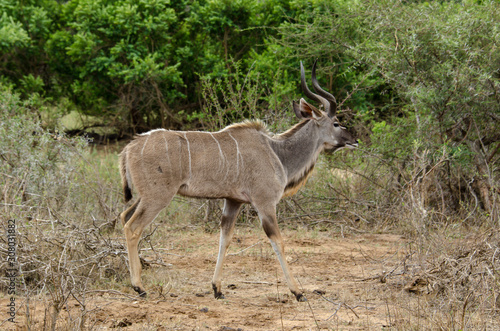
pixel 270 225
pixel 231 209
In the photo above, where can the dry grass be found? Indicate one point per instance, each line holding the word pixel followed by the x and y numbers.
pixel 447 281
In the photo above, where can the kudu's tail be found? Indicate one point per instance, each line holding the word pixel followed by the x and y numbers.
pixel 127 192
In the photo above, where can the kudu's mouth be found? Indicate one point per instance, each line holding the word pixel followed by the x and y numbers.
pixel 339 147
pixel 351 146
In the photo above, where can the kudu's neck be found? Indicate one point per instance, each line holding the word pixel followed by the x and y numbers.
pixel 298 150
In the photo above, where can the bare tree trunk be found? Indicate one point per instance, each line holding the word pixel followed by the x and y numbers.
pixel 483 180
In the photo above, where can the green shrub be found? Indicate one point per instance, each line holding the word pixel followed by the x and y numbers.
pixel 37 166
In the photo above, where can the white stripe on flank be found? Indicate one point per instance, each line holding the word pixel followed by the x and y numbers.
pixel 166 144
pixel 144 174
pixel 189 153
pixel 168 157
pixel 220 150
pixel 144 146
pixel 238 156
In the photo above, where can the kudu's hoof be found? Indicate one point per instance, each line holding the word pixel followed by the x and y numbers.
pixel 139 290
pixel 217 294
pixel 300 297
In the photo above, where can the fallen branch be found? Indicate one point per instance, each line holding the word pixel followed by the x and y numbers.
pixel 133 297
pixel 259 242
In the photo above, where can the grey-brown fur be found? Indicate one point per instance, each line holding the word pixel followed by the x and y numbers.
pixel 242 163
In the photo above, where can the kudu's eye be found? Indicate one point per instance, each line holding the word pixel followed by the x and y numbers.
pixel 336 124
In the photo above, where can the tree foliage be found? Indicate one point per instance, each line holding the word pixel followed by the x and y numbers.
pixel 425 76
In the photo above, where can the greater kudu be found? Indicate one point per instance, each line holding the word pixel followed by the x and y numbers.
pixel 243 163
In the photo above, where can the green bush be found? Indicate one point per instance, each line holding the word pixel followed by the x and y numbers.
pixel 37 166
pixel 432 69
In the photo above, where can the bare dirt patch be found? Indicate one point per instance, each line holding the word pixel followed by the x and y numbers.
pixel 352 283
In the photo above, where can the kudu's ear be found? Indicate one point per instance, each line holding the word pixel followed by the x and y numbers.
pixel 306 110
pixel 298 112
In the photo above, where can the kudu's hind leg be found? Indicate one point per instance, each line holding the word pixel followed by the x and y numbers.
pixel 127 214
pixel 270 225
pixel 231 209
pixel 144 212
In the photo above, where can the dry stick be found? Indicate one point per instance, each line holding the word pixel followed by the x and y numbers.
pixel 368 257
pixel 308 303
pixel 250 282
pixel 83 308
pixel 133 297
pixel 383 277
pixel 163 249
pixel 260 241
pixel 336 311
pixel 476 200
pixel 345 305
pixel 300 207
pixel 389 312
pixel 493 212
pixel 310 215
pixel 82 305
pixel 464 308
pixel 355 89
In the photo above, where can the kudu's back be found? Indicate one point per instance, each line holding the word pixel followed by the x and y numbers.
pixel 231 163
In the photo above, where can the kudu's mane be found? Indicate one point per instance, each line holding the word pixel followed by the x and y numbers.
pixel 248 124
pixel 290 132
pixel 262 127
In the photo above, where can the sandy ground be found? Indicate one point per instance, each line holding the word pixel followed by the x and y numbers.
pixel 341 278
